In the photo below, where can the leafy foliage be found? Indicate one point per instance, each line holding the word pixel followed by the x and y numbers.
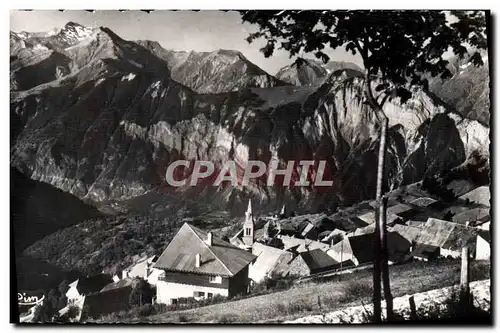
pixel 399 47
pixel 142 293
pixel 106 244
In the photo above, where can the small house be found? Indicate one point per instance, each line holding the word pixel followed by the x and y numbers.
pixel 200 265
pixel 318 261
pixel 86 285
pixel 267 258
pixel 444 238
pixel 360 249
pixel 114 297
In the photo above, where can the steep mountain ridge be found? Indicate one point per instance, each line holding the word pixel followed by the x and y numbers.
pixel 212 72
pixel 312 71
pixel 108 131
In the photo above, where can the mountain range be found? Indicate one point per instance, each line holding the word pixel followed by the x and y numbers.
pixel 101 118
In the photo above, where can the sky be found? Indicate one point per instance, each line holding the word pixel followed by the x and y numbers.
pixel 174 30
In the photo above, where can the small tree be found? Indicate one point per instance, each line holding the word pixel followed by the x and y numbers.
pixel 399 50
pixel 141 294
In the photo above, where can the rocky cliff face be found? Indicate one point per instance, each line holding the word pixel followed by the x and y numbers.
pixel 468 91
pixel 109 127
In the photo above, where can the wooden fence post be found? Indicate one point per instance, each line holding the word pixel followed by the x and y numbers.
pixel 464 279
pixel 413 308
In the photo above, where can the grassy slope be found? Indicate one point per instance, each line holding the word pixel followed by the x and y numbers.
pixel 343 291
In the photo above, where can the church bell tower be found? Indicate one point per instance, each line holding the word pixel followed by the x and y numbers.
pixel 249 226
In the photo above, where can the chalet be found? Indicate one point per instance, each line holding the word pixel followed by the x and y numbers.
pixel 318 261
pixel 442 238
pixel 304 264
pixel 197 264
pixel 114 297
pixel 267 259
pixel 359 249
pixel 86 285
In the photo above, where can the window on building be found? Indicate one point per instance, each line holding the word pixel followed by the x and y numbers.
pixel 248 231
pixel 210 295
pixel 173 301
pixel 199 294
pixel 215 279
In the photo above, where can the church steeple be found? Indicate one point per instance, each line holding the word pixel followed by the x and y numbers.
pixel 249 226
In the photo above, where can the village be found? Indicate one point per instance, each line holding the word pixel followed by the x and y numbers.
pixel 202 265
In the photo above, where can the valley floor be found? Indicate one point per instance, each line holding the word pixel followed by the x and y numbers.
pixel 321 297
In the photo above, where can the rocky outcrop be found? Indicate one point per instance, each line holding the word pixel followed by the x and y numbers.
pixel 468 90
pixel 109 128
pixel 312 71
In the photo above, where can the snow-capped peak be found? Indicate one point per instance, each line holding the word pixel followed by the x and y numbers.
pixel 75 32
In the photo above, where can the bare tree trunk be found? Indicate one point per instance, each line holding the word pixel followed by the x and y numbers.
pixel 380 215
pixel 380 228
pixel 385 262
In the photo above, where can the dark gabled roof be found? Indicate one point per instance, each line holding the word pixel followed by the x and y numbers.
pixel 92 284
pixel 221 258
pixel 363 246
pixel 317 259
pixel 485 234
